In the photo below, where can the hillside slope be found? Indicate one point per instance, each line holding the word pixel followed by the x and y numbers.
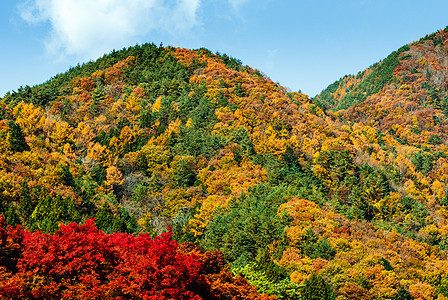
pixel 421 65
pixel 151 137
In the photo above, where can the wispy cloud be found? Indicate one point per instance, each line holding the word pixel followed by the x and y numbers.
pixel 89 28
pixel 236 4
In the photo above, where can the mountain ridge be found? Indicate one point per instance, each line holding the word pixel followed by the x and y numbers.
pixel 150 137
pixel 424 58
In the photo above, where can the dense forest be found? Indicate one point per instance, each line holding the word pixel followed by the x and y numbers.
pixel 167 173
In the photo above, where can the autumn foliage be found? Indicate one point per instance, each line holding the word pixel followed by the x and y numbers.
pixel 345 193
pixel 81 262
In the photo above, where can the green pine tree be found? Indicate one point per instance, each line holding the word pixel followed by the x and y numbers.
pixel 443 288
pixel 403 294
pixel 50 212
pixel 98 96
pixel 11 217
pixel 104 219
pixel 26 203
pixel 273 272
pixel 317 289
pixel 67 176
pixel 16 138
pixel 184 175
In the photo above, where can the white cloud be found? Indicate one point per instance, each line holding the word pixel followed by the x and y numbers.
pixel 236 4
pixel 89 28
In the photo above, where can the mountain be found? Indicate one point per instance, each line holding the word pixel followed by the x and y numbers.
pixel 339 196
pixel 421 65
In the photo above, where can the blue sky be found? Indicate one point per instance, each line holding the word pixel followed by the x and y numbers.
pixel 303 45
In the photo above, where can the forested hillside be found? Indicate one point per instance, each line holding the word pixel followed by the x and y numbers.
pixel 303 201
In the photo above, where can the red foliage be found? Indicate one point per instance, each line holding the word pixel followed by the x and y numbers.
pixel 344 231
pixel 79 261
pixel 11 243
